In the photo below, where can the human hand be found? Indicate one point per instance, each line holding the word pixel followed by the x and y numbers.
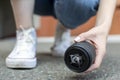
pixel 98 37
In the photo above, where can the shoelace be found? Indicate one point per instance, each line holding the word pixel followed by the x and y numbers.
pixel 22 44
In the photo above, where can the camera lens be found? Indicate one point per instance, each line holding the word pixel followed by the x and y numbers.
pixel 80 56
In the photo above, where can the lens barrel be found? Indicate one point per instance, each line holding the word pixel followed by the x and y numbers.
pixel 80 56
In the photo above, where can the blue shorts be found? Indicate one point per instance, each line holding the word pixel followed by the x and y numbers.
pixel 71 13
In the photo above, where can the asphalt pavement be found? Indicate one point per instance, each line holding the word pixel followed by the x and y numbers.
pixel 53 68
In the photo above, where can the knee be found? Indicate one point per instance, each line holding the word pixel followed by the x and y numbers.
pixel 73 13
pixel 88 5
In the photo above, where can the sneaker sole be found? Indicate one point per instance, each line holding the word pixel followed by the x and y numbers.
pixel 21 63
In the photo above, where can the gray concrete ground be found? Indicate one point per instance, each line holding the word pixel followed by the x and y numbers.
pixel 52 68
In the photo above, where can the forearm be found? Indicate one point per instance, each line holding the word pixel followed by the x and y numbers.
pixel 105 14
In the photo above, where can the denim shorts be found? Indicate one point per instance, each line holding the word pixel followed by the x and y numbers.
pixel 71 13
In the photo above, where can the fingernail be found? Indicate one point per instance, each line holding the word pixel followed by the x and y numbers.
pixel 77 39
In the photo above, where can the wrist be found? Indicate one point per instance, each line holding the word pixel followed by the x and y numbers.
pixel 104 28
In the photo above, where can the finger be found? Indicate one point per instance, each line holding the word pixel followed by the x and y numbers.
pixel 77 39
pixel 80 38
pixel 97 63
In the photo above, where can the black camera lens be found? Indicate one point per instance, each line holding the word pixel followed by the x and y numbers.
pixel 80 56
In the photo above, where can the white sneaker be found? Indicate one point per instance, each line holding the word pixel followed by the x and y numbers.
pixel 24 52
pixel 62 41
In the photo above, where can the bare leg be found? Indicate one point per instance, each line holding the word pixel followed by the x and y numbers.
pixel 118 3
pixel 23 12
pixel 62 40
pixel 60 31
